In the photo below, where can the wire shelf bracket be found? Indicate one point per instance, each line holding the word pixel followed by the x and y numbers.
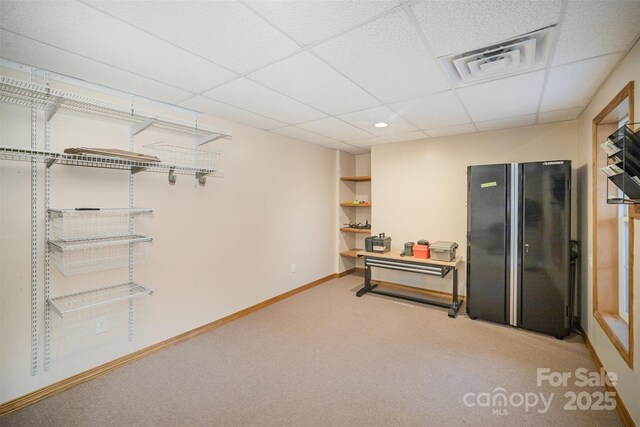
pixel 137 128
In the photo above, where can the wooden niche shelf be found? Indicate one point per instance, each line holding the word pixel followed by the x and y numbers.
pixel 351 253
pixel 356 178
pixel 355 205
pixel 354 230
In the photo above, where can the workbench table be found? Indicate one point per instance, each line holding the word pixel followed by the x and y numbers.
pixel 393 261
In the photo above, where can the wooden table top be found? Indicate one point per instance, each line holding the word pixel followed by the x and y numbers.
pixel 395 255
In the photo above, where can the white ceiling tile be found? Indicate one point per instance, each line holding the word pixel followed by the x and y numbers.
pixel 248 95
pixel 511 122
pixel 366 120
pixel 411 136
pixel 452 130
pixel 83 30
pixel 572 85
pixel 348 148
pixel 36 54
pixel 460 26
pixel 308 79
pixel 438 110
pixel 593 28
pixel 310 21
pixel 368 142
pixel 224 32
pixel 509 97
pixel 304 135
pixel 334 128
pixel 227 112
pixel 560 115
pixel 387 58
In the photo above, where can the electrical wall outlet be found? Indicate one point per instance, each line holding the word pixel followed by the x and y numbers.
pixel 102 325
pixel 293 268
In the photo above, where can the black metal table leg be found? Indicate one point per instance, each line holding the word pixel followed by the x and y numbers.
pixel 367 281
pixel 456 303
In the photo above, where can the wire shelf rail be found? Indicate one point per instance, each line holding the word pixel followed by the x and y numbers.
pixel 71 303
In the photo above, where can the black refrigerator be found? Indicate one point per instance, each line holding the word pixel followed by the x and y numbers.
pixel 518 245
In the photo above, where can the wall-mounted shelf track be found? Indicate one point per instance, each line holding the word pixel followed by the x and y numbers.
pixel 51 158
pixel 96 297
pixel 54 101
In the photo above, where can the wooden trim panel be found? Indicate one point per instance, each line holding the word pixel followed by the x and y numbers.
pixel 50 390
pixel 604 322
pixel 605 298
pixel 622 409
pixel 347 272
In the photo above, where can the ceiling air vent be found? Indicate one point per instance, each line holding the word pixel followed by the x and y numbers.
pixel 518 55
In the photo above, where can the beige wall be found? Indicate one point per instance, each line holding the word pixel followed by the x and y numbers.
pixel 419 191
pixel 629 380
pixel 217 249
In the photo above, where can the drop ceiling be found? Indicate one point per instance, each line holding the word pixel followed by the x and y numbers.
pixel 324 72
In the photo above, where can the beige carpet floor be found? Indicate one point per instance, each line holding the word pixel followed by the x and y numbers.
pixel 327 358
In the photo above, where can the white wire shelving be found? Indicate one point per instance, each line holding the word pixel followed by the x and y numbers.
pixel 50 157
pixel 71 303
pixel 85 256
pixel 95 223
pixel 182 156
pixel 27 94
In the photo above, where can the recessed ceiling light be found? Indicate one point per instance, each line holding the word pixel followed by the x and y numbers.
pixel 381 125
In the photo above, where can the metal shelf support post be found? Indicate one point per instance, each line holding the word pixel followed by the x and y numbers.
pixel 34 236
pixel 47 234
pixel 134 132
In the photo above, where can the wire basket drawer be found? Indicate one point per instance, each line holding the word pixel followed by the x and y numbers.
pixel 185 157
pixel 84 256
pixel 74 224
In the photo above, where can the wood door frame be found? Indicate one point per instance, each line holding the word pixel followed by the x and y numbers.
pixel 601 317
